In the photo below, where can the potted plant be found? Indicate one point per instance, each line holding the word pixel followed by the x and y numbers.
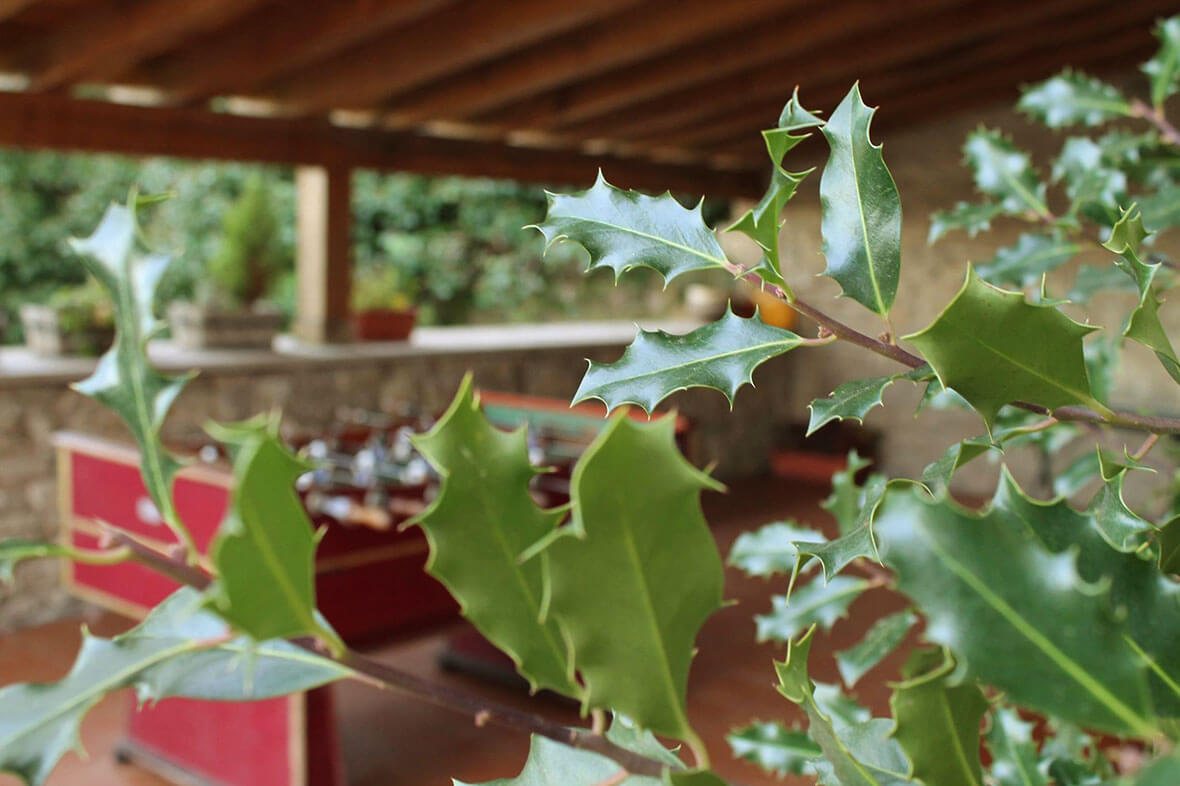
pixel 381 304
pixel 231 310
pixel 75 320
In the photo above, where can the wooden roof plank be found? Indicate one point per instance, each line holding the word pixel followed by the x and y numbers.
pixel 276 41
pixel 433 48
pixel 649 30
pixel 107 40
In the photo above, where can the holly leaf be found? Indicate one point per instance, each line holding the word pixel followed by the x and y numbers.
pixel 817 603
pixel 1091 280
pixel 769 549
pixel 1102 363
pixel 992 346
pixel 972 218
pixel 938 474
pixel 847 498
pixel 1025 263
pixel 1143 325
pixel 1161 208
pixel 1016 615
pixel 879 641
pixel 622 230
pixel 1119 526
pixel 1072 98
pixel 1164 68
pixel 835 555
pixel 861 221
pixel 853 400
pixel 123 380
pixel 774 748
pixel 1092 186
pixel 1013 750
pixel 938 720
pixel 1004 173
pixel 178 650
pixel 264 550
pixel 860 754
pixel 721 355
pixel 636 529
pixel 479 524
pixel 1168 538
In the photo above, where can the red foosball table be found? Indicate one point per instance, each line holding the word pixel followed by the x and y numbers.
pixel 291 741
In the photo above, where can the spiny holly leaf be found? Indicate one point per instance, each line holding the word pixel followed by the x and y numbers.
pixel 862 754
pixel 774 748
pixel 938 721
pixel 1143 326
pixel 721 355
pixel 1121 148
pixel 1013 751
pixel 815 603
pixel 178 650
pixel 837 554
pixel 1164 68
pixel 1033 256
pixel 1091 280
pixel 1072 98
pixel 839 708
pixel 992 347
pixel 1122 529
pixel 16 550
pixel 853 400
pixel 881 639
pixel 1018 616
pixel 861 209
pixel 1004 173
pixel 938 475
pixel 1092 186
pixel 622 230
pixel 848 499
pixel 972 218
pixel 264 550
pixel 1139 595
pixel 1102 364
pixel 636 529
pixel 123 379
pixel 770 549
pixel 1169 546
pixel 1161 208
pixel 481 521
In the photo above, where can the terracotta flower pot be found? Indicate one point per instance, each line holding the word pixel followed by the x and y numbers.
pixel 384 324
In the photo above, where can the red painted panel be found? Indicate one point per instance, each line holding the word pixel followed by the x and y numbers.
pixel 381 598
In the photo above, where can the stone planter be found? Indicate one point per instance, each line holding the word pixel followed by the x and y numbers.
pixel 44 335
pixel 196 327
pixel 384 324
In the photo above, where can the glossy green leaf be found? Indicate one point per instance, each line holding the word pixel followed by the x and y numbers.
pixel 622 230
pixel 774 748
pixel 1089 181
pixel 938 721
pixel 1122 529
pixel 882 638
pixel 636 530
pixel 1013 750
pixel 1164 68
pixel 838 707
pixel 264 550
pixel 1033 256
pixel 1169 546
pixel 971 217
pixel 771 548
pixel 1072 98
pixel 479 524
pixel 992 346
pixel 1018 616
pixel 178 650
pixel 124 381
pixel 862 754
pixel 1102 364
pixel 861 209
pixel 1161 208
pixel 937 475
pixel 835 555
pixel 848 498
pixel 815 603
pixel 1144 325
pixel 1004 173
pixel 853 400
pixel 721 355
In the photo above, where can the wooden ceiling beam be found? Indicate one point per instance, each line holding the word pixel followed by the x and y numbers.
pixel 949 35
pixel 792 34
pixel 94 45
pixel 56 122
pixel 434 48
pixel 649 30
pixel 276 40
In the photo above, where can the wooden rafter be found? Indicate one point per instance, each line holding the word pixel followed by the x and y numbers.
pixel 265 46
pixel 434 48
pixel 50 121
pixel 648 30
pixel 105 41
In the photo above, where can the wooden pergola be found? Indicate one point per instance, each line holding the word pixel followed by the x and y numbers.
pixel 658 93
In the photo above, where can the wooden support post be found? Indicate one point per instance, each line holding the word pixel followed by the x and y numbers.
pixel 323 254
